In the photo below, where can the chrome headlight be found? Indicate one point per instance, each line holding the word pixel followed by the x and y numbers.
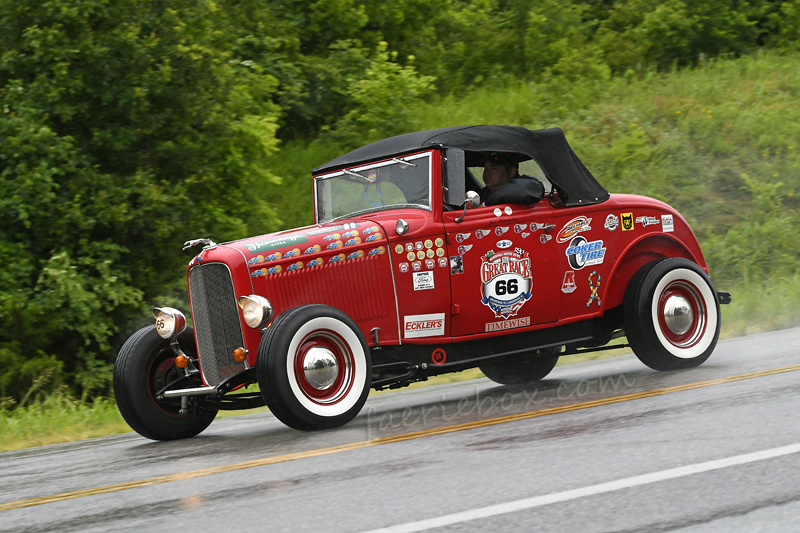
pixel 256 310
pixel 169 322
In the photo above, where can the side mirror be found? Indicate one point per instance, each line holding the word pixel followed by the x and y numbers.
pixel 473 199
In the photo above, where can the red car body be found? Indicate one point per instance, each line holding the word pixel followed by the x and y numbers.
pixel 427 289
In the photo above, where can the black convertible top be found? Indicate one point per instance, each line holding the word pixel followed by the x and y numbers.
pixel 548 147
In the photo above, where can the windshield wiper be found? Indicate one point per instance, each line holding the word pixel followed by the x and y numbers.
pixel 403 162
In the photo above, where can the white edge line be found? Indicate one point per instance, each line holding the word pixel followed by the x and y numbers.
pixel 557 497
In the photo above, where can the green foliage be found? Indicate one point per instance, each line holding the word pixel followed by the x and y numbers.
pixel 126 127
pixel 382 101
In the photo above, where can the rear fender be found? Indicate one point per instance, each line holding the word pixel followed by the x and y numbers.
pixel 639 253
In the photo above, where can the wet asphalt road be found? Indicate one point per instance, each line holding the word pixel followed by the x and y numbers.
pixel 589 449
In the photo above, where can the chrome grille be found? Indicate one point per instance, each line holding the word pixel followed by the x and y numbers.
pixel 216 321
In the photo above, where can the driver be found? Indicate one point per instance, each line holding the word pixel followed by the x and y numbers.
pixel 504 183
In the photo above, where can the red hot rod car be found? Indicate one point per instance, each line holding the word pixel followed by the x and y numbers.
pixel 405 276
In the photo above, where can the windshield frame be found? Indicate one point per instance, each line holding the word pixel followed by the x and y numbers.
pixel 392 160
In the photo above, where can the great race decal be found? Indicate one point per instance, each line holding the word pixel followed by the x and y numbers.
pixel 506 281
pixel 581 253
pixel 573 227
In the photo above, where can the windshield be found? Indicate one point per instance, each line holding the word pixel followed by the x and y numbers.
pixel 397 183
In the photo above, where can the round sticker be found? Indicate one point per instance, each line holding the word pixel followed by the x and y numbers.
pixel 421 255
pixel 428 243
pixel 507 210
pixel 410 256
pixel 497 212
pixel 440 252
pixel 429 253
pixel 398 249
pixel 439 241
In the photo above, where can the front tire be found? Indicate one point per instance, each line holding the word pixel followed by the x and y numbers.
pixel 521 369
pixel 145 364
pixel 672 317
pixel 314 368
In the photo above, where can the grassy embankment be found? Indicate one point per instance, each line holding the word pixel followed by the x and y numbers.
pixel 721 144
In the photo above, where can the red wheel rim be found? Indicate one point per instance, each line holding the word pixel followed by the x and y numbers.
pixel 345 377
pixel 688 293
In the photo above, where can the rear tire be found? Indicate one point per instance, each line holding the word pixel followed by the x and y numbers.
pixel 145 364
pixel 314 368
pixel 672 317
pixel 520 369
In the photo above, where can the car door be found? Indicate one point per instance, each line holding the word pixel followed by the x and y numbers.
pixel 502 268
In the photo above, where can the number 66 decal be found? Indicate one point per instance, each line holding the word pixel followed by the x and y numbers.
pixel 506 281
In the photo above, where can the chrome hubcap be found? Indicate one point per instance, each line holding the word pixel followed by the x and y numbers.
pixel 678 314
pixel 320 368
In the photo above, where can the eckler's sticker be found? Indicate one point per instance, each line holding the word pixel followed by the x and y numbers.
pixel 499 230
pixel 403 267
pixel 481 233
pixel 667 226
pixel 461 237
pixel 409 247
pixel 569 286
pixel 443 262
pixel 506 281
pixel 504 244
pixel 422 280
pixel 464 248
pixel 439 356
pixel 612 222
pixel 415 326
pixel 647 221
pixel 497 212
pixel 627 221
pixel 418 245
pixel 430 264
pixel 508 324
pixel 416 266
pixel 581 253
pixel 573 227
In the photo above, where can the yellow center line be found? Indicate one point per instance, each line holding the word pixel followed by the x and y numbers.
pixel 388 440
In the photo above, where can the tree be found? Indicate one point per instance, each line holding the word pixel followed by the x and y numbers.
pixel 126 126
